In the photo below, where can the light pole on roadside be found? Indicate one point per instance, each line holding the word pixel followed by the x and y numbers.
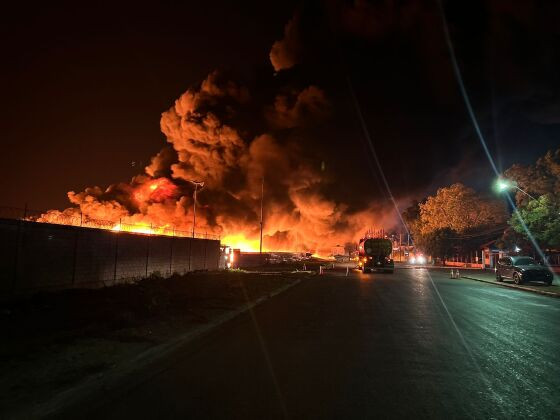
pixel 196 185
pixel 504 184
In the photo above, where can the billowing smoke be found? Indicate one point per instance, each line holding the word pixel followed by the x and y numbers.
pixel 298 109
pixel 208 142
pixel 284 53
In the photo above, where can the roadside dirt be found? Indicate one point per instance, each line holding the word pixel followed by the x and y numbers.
pixel 53 341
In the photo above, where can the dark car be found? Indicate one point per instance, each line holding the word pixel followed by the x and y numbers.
pixel 522 270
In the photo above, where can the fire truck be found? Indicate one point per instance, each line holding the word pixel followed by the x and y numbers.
pixel 374 254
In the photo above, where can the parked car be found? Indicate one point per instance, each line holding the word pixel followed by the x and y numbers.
pixel 522 269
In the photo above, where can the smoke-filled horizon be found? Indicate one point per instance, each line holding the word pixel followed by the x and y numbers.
pixel 278 108
pixel 205 145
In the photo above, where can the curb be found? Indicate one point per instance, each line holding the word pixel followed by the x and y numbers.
pixel 511 286
pixel 104 382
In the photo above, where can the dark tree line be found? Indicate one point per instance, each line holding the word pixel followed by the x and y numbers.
pixel 457 220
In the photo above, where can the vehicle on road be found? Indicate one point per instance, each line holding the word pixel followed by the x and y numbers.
pixel 417 259
pixel 374 254
pixel 522 269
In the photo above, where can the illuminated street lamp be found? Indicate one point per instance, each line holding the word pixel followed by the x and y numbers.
pixel 196 185
pixel 504 184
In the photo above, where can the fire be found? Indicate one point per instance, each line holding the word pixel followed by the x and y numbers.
pixel 135 229
pixel 146 229
pixel 247 176
pixel 239 241
pixel 156 190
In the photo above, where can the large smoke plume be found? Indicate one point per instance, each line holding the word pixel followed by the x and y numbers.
pixel 207 142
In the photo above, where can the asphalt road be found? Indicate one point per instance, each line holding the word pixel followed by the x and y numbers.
pixel 414 344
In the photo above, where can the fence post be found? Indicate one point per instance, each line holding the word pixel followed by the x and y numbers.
pixel 75 259
pixel 18 246
pixel 171 256
pixel 190 252
pixel 116 257
pixel 205 247
pixel 147 253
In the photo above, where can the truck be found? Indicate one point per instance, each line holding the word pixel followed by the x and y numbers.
pixel 374 254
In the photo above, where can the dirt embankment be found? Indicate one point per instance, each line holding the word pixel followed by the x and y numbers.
pixel 53 341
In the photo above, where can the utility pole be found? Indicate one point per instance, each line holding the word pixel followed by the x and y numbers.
pixel 196 185
pixel 262 196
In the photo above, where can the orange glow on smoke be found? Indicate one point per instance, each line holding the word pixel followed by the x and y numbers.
pixel 156 190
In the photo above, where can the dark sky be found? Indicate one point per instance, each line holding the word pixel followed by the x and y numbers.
pixel 84 87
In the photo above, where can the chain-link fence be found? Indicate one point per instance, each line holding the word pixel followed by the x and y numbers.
pixel 38 255
pixel 75 218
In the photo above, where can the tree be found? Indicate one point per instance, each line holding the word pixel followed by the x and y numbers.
pixel 512 239
pixel 411 216
pixel 456 219
pixel 460 209
pixel 439 243
pixel 539 216
pixel 542 218
pixel 541 178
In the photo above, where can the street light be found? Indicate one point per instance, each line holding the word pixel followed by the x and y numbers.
pixel 504 184
pixel 196 185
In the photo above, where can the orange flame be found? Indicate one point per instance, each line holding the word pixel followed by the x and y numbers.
pixel 239 241
pixel 156 190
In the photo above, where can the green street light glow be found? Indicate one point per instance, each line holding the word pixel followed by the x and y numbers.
pixel 503 185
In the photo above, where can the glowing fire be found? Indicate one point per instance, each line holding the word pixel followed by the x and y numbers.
pixel 156 190
pixel 144 229
pixel 302 210
pixel 239 241
pixel 148 229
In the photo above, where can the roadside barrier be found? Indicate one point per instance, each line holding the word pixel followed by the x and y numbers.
pixel 43 256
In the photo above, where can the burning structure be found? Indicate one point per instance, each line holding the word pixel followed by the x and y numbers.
pixel 208 140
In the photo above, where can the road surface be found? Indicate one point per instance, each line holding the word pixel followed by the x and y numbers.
pixel 414 344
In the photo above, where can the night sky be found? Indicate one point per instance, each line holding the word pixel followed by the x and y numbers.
pixel 84 87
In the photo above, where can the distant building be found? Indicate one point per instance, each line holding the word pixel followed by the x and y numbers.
pixel 338 250
pixel 490 254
